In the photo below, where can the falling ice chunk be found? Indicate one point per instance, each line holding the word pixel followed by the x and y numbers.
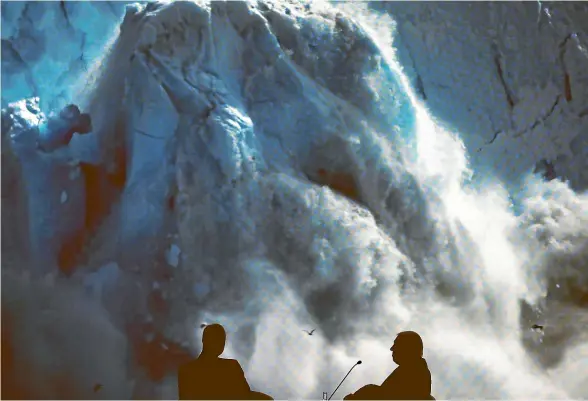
pixel 173 255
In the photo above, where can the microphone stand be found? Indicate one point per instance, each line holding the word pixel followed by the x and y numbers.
pixel 333 393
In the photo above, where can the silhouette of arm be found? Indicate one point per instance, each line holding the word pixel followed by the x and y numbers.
pixel 407 385
pixel 239 381
pixel 367 392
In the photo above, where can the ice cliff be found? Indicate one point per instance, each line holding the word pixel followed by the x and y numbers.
pixel 514 76
pixel 268 165
pixel 519 100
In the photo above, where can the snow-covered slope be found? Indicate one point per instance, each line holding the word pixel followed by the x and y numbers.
pixel 267 166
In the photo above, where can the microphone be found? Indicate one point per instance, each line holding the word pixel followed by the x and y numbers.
pixel 333 393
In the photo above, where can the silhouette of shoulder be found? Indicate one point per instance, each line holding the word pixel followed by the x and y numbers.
pixel 215 378
pixel 210 377
pixel 234 367
pixel 409 382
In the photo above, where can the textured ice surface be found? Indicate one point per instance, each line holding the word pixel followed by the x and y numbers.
pixel 468 61
pixel 511 78
pixel 47 47
pixel 236 125
pixel 53 219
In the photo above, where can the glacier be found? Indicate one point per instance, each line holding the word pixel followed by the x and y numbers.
pixel 269 166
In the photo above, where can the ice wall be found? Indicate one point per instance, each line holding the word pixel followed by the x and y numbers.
pixel 511 77
pixel 228 116
pixel 48 47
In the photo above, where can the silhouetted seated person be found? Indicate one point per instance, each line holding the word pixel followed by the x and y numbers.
pixel 209 377
pixel 411 380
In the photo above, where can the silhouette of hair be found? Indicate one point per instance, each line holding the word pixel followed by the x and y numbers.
pixel 214 338
pixel 411 342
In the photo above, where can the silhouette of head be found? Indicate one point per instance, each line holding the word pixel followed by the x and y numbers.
pixel 213 340
pixel 407 347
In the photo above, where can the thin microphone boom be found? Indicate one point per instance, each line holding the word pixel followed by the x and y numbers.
pixel 333 393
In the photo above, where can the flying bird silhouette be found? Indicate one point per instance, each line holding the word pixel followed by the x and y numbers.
pixel 309 332
pixel 537 327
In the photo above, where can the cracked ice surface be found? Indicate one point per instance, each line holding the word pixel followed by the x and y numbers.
pixel 478 55
pixel 471 60
pixel 47 47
